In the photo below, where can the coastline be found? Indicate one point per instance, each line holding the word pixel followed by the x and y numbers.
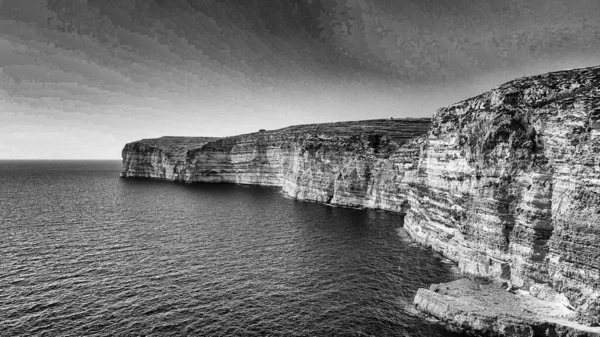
pixel 505 184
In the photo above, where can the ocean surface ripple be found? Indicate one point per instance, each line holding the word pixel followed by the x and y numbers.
pixel 84 253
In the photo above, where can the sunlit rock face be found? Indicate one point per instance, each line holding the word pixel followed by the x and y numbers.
pixel 161 158
pixel 509 186
pixel 355 164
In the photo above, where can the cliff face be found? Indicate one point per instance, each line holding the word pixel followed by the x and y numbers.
pixel 161 158
pixel 507 184
pixel 355 164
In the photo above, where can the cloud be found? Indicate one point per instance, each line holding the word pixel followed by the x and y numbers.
pixel 129 69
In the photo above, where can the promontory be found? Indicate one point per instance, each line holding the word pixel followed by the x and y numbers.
pixel 505 184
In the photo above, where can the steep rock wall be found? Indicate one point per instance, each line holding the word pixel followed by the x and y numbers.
pixel 161 158
pixel 355 164
pixel 509 186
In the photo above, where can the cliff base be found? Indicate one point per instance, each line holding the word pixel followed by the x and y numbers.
pixel 488 309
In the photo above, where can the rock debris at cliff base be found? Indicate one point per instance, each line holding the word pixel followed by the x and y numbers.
pixel 509 186
pixel 505 184
pixel 478 308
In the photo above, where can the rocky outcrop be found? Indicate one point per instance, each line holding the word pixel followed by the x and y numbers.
pixel 482 309
pixel 506 184
pixel 509 187
pixel 354 164
pixel 161 158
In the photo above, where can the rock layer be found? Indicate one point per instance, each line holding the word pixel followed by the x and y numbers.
pixel 509 186
pixel 488 309
pixel 355 164
pixel 506 184
pixel 161 158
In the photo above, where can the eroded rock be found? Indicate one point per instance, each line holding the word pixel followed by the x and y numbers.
pixel 512 178
pixel 364 164
pixel 488 309
pixel 506 184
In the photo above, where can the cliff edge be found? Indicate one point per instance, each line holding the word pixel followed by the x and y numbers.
pixel 506 184
pixel 359 164
pixel 509 187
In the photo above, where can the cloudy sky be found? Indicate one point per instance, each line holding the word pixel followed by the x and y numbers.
pixel 80 78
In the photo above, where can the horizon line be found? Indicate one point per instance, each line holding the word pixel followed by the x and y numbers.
pixel 32 159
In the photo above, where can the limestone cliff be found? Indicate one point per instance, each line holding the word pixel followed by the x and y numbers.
pixel 355 164
pixel 506 184
pixel 509 186
pixel 161 158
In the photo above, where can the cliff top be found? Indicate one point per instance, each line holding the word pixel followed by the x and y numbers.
pixel 173 146
pixel 177 141
pixel 532 92
pixel 399 130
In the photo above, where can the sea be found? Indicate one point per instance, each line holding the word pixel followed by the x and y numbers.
pixel 86 253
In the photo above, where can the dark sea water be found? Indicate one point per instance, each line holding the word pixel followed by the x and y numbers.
pixel 85 253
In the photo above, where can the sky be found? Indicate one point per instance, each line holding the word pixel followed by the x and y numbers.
pixel 80 78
